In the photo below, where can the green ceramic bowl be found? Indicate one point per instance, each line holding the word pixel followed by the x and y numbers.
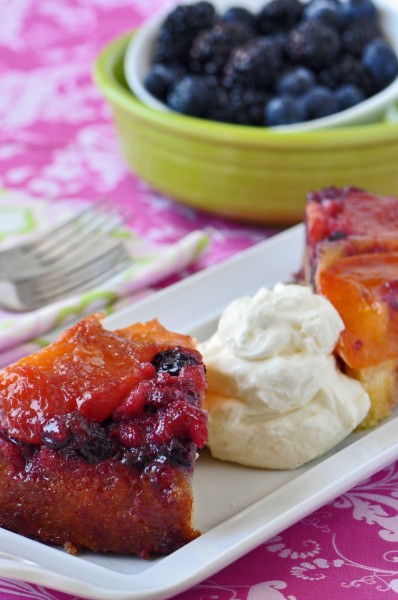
pixel 245 173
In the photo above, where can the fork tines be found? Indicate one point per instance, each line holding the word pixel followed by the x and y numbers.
pixel 34 292
pixel 60 244
pixel 75 256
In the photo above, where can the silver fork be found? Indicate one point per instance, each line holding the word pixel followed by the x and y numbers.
pixel 29 293
pixel 74 257
pixel 58 246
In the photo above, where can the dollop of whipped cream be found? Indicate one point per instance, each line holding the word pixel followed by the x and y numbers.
pixel 276 398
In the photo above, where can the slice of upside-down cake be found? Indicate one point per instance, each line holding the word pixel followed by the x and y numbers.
pixel 352 259
pixel 98 439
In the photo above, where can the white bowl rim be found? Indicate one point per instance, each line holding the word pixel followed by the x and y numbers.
pixel 137 57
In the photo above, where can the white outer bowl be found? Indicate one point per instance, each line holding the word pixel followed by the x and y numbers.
pixel 138 54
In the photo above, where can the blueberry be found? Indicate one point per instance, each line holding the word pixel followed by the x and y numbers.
pixel 171 361
pixel 280 40
pixel 190 96
pixel 348 95
pixel 240 15
pixel 359 9
pixel 296 82
pixel 160 78
pixel 284 110
pixel 327 11
pixel 381 62
pixel 319 102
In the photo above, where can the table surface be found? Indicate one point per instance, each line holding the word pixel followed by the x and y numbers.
pixel 58 142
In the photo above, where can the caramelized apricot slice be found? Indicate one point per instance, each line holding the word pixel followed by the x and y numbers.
pixel 88 369
pixel 151 337
pixel 364 290
pixel 28 399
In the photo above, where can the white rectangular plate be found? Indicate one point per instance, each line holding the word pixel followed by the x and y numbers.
pixel 234 517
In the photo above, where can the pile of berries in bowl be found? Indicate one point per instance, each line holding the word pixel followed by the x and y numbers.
pixel 288 64
pixel 231 158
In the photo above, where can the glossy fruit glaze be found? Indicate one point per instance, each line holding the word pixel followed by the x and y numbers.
pixel 132 394
pixel 364 290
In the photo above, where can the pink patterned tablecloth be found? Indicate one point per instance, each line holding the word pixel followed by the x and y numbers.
pixel 58 142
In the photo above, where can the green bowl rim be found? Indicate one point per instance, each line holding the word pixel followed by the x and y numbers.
pixel 244 135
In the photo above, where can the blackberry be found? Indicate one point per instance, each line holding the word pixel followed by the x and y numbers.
pixel 179 453
pixel 139 458
pixel 161 77
pixel 172 361
pixel 190 96
pixel 325 11
pixel 313 44
pixel 319 102
pixel 175 451
pixel 348 95
pixel 239 105
pixel 284 110
pixel 296 82
pixel 179 29
pixel 358 34
pixel 279 15
pixel 381 62
pixel 347 69
pixel 73 434
pixel 255 65
pixel 220 107
pixel 240 15
pixel 212 47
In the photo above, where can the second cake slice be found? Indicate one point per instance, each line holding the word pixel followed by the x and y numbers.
pixel 352 259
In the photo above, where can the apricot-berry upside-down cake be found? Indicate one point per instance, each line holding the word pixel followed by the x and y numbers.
pixel 352 259
pixel 98 437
